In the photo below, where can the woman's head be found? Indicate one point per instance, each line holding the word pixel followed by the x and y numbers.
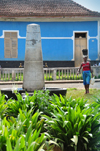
pixel 85 58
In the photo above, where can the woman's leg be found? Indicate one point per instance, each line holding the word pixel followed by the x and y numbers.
pixel 84 82
pixel 87 88
pixel 88 77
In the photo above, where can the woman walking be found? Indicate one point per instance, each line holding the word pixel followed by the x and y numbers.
pixel 86 68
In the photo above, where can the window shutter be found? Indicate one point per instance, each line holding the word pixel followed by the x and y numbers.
pixel 14 44
pixel 7 45
pixel 14 48
pixel 11 45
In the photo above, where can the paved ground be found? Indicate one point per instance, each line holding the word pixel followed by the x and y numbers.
pixel 59 85
pixel 73 85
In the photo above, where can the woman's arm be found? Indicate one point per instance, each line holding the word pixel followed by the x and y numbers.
pixel 79 69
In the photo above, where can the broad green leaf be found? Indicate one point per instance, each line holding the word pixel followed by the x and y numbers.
pixel 86 139
pixel 75 139
pixel 53 142
pixel 85 145
pixel 90 135
pixel 31 147
pixel 9 148
pixel 41 148
pixel 6 132
pixel 28 132
pixel 65 123
pixel 22 142
pixel 17 145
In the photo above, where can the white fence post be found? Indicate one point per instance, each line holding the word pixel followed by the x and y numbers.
pixel 54 74
pixel 13 75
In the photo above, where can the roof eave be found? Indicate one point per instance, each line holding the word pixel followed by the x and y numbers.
pixel 50 18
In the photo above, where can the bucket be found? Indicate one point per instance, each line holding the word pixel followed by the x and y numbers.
pixel 85 52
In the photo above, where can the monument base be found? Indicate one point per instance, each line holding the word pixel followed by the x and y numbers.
pixel 11 94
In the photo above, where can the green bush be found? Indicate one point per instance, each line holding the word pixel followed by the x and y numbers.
pixel 99 77
pixel 74 124
pixel 39 97
pixel 23 132
pixel 38 121
pixel 3 106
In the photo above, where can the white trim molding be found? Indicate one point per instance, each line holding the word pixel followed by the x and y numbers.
pixel 98 40
pixel 74 43
pixel 92 37
pixel 57 37
pixel 88 38
pixel 18 36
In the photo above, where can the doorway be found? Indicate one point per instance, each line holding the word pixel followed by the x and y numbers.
pixel 80 44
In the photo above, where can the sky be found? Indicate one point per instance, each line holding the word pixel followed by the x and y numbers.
pixel 93 5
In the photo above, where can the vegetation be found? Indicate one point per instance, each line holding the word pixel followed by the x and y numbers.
pixel 80 93
pixel 40 122
pixel 47 76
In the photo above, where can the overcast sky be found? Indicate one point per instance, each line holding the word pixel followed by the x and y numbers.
pixel 93 5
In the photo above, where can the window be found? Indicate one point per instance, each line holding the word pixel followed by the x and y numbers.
pixel 80 35
pixel 10 44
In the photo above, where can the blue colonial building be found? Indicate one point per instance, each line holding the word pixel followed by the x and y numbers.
pixel 66 29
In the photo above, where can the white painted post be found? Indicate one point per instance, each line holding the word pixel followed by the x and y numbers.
pixel 54 74
pixel 13 75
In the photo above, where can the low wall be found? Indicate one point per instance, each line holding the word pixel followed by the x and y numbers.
pixel 65 73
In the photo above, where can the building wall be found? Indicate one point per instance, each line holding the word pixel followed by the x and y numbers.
pixel 57 39
pixel 99 40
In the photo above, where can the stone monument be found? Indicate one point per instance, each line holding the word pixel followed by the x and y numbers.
pixel 33 66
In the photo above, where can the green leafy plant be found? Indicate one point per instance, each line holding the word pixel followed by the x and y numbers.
pixel 13 106
pixel 64 102
pixel 3 105
pixel 25 129
pixel 42 101
pixel 39 121
pixel 32 140
pixel 75 126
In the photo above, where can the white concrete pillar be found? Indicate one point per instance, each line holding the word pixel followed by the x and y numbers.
pixel 54 74
pixel 13 75
pixel 33 65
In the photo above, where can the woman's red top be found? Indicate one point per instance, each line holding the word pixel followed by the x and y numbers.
pixel 85 66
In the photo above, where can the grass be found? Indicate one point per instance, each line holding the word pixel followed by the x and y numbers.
pixel 80 93
pixel 8 77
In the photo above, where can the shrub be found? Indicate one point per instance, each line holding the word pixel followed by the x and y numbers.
pixel 23 132
pixel 74 125
pixel 30 123
pixel 99 77
pixel 39 100
pixel 3 106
